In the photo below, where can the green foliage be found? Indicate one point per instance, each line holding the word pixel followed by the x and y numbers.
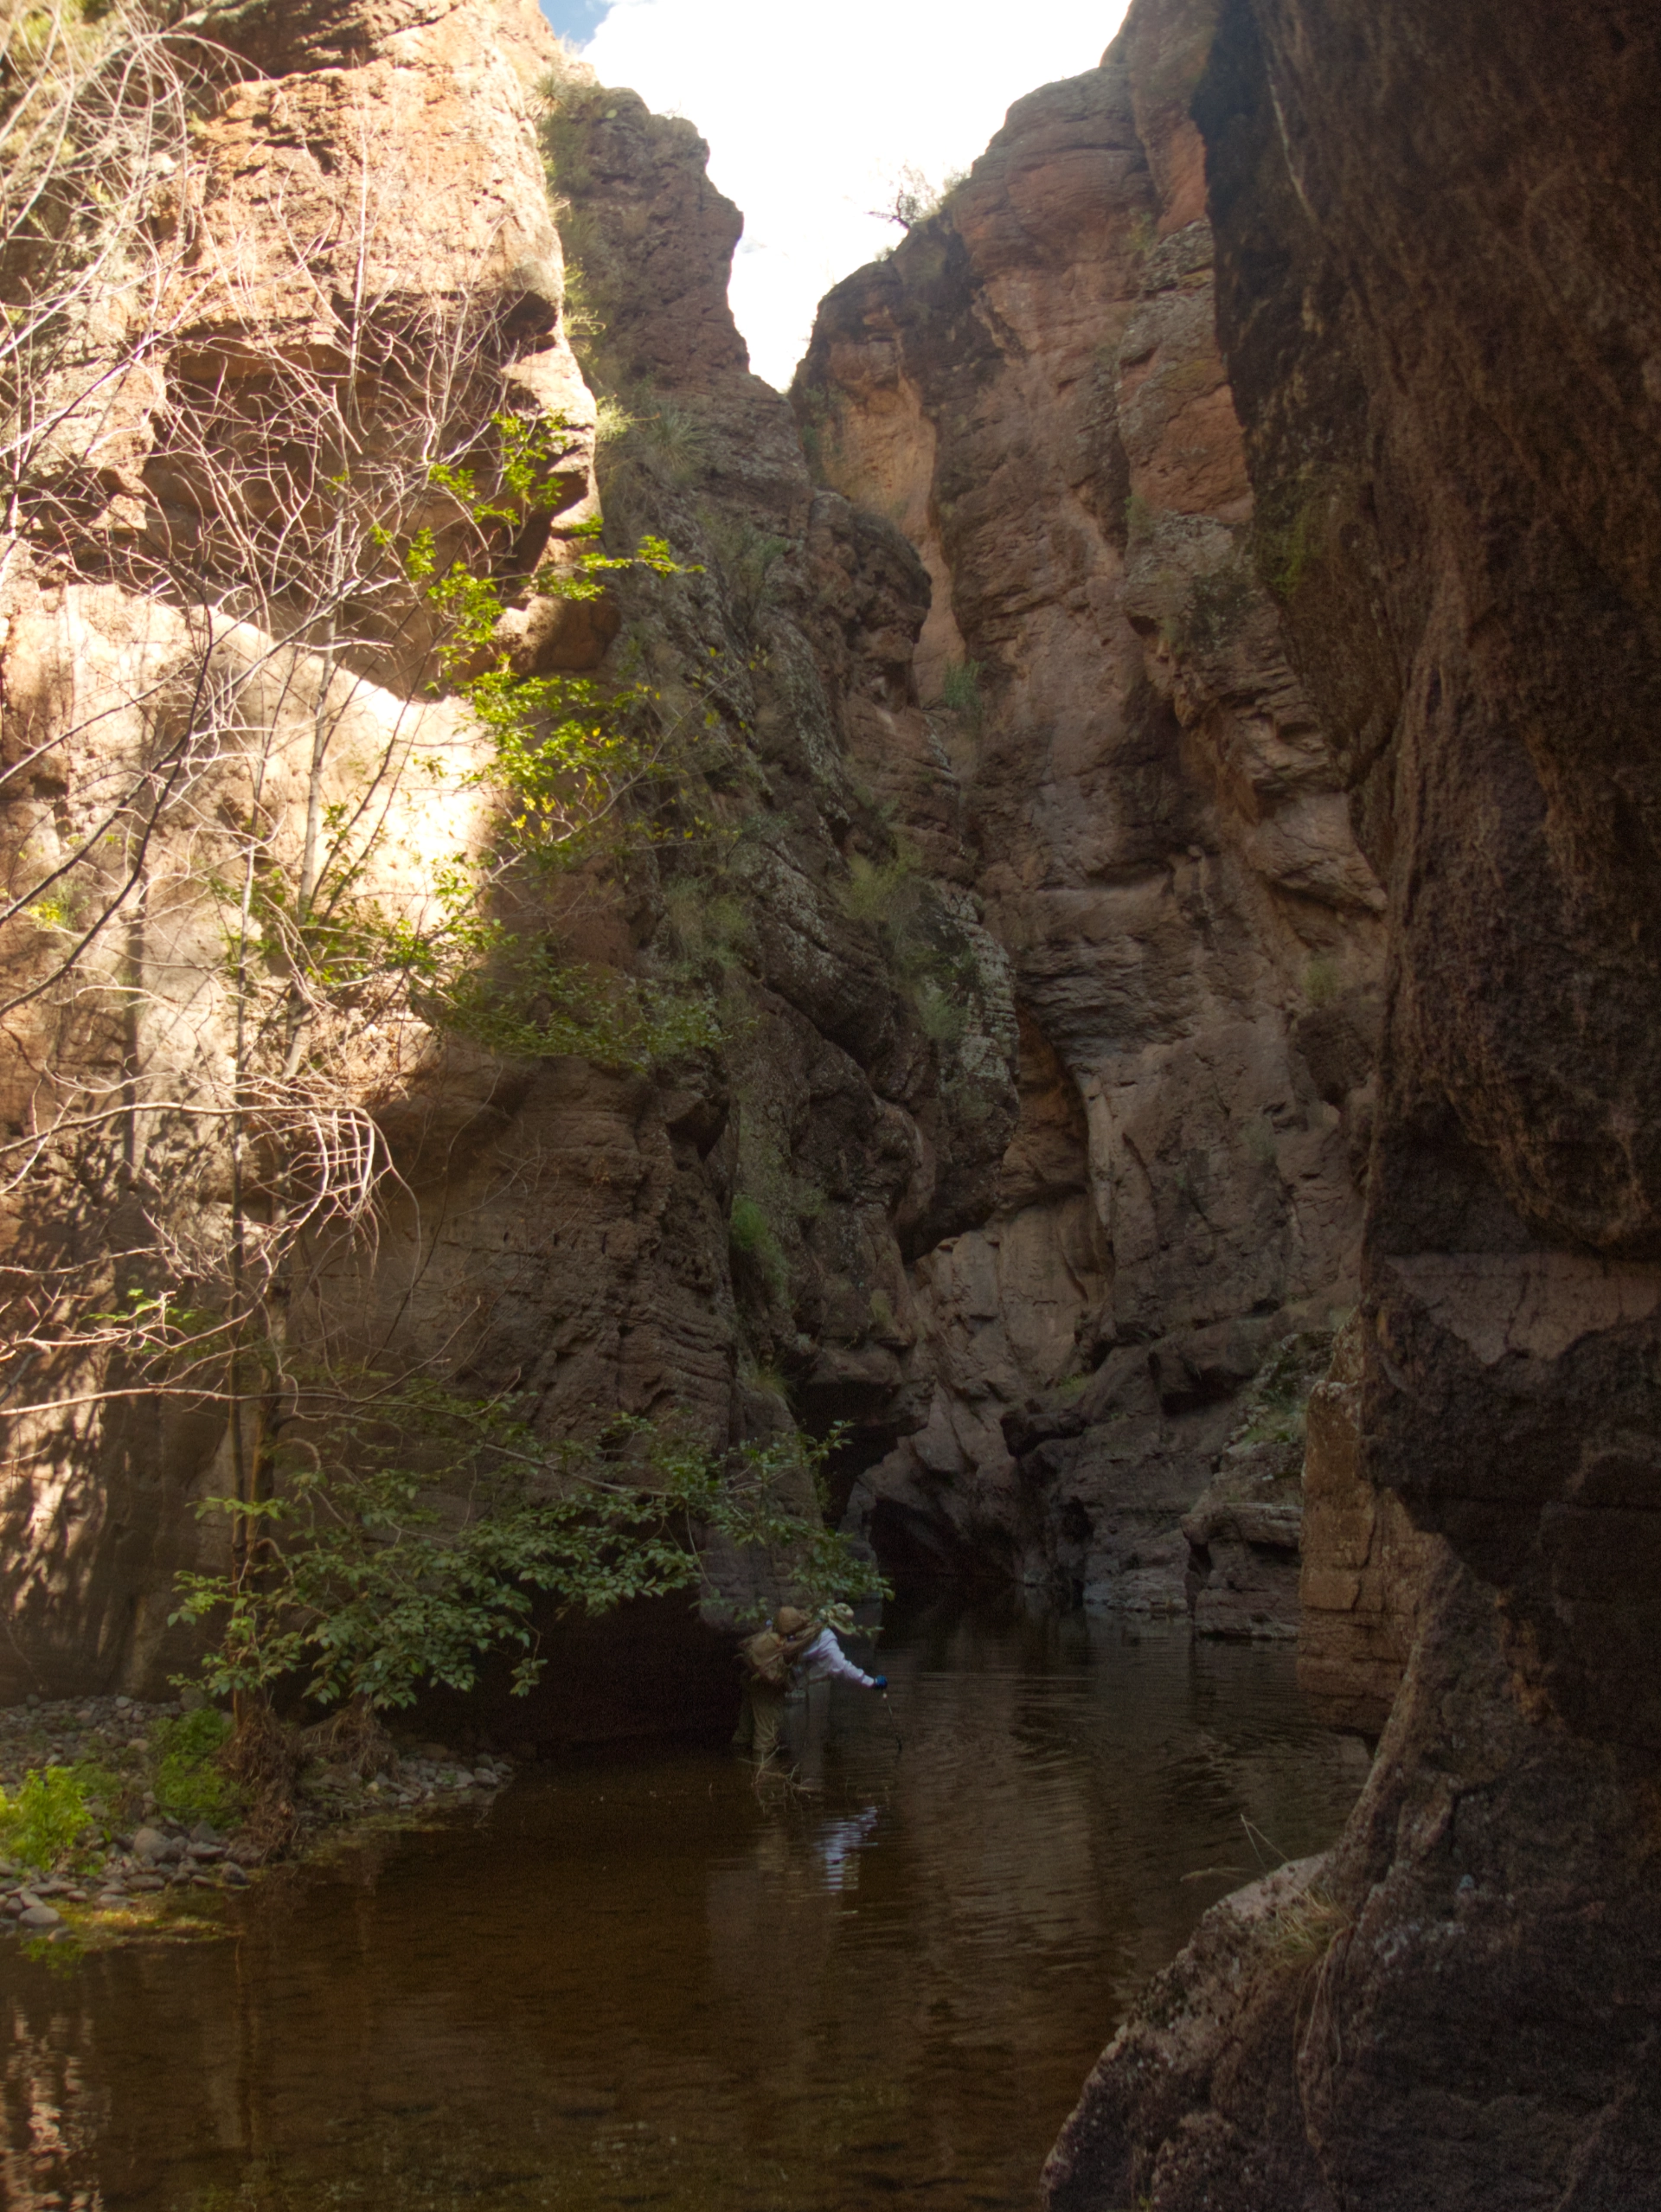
pixel 1278 1400
pixel 1286 549
pixel 934 965
pixel 750 1230
pixel 612 420
pixel 1306 1929
pixel 942 1014
pixel 748 558
pixel 189 1783
pixel 409 1531
pixel 771 1380
pixel 677 441
pixel 960 691
pixel 708 924
pixel 880 891
pixel 46 1819
pixel 580 771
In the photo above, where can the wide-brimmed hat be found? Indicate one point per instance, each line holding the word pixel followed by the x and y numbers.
pixel 839 1617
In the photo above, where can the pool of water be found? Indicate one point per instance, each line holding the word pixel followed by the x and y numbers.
pixel 641 1980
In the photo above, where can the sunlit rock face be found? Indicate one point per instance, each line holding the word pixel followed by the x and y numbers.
pixel 709 1242
pixel 1031 386
pixel 352 178
pixel 1436 303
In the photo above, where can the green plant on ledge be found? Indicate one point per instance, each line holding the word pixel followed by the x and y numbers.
pixel 190 1784
pixel 46 1819
pixel 960 691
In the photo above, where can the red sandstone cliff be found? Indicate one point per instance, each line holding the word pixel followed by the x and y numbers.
pixel 1030 385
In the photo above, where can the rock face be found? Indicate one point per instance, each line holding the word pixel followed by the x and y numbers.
pixel 1031 386
pixel 1366 1568
pixel 724 1239
pixel 351 239
pixel 1441 328
pixel 1247 1528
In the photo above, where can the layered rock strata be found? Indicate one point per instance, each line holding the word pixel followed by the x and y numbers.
pixel 1031 386
pixel 700 1241
pixel 349 250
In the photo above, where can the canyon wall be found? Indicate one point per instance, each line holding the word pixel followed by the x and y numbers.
pixel 1031 386
pixel 1007 850
pixel 713 1237
pixel 1437 302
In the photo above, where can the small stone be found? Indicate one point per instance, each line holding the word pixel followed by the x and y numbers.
pixel 146 1882
pixel 236 1876
pixel 122 1704
pixel 39 1916
pixel 151 1844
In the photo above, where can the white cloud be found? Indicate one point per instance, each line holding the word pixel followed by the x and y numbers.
pixel 808 111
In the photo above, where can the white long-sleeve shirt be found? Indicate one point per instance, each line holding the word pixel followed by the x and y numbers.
pixel 825 1659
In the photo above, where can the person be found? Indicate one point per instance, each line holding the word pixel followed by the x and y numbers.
pixel 823 1659
pixel 767 1657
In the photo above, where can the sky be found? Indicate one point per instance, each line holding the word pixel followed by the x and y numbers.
pixel 811 112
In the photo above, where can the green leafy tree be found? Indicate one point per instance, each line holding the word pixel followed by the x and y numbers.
pixel 410 1534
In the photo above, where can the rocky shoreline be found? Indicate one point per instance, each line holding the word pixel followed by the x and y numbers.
pixel 142 1866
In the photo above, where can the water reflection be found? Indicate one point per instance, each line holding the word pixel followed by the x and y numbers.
pixel 647 1983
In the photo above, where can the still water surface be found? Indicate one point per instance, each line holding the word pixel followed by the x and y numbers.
pixel 636 1981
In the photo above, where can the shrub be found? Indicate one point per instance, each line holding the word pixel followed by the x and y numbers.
pixel 1288 551
pixel 747 558
pixel 878 892
pixel 750 1232
pixel 708 926
pixel 190 1784
pixel 942 1017
pixel 749 1228
pixel 48 1816
pixel 612 420
pixel 960 691
pixel 676 441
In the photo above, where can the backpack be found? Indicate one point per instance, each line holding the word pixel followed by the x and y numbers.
pixel 764 1655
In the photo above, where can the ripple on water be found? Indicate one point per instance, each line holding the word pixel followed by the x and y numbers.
pixel 639 1981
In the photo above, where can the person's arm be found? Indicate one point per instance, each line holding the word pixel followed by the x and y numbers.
pixel 828 1658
